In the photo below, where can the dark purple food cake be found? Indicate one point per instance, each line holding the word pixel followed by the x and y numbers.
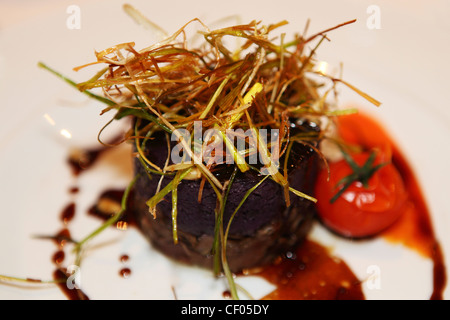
pixel 262 229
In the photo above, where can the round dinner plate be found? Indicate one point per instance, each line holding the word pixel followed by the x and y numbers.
pixel 396 52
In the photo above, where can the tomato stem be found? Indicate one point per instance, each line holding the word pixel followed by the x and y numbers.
pixel 360 173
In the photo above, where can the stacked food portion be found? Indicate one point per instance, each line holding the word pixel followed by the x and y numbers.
pixel 226 139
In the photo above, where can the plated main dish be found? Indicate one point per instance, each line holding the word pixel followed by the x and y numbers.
pixel 238 148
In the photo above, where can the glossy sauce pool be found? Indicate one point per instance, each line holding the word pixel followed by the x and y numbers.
pixel 311 273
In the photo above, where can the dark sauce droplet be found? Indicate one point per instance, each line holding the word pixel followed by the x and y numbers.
pixel 226 294
pixel 74 190
pixel 68 213
pixel 125 272
pixel 58 257
pixel 62 237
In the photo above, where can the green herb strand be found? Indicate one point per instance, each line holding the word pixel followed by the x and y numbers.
pixel 176 181
pixel 153 201
pixel 111 220
pixel 226 267
pixel 74 84
pixel 218 227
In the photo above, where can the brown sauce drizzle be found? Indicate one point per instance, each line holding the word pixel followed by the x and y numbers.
pixel 61 238
pixel 108 204
pixel 60 275
pixel 68 213
pixel 61 278
pixel 415 230
pixel 79 160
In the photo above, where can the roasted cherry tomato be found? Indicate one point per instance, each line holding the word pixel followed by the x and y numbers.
pixel 360 211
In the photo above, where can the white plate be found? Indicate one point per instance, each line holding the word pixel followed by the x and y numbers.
pixel 400 64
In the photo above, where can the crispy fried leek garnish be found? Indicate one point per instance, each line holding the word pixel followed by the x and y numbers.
pixel 253 86
pixel 257 85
